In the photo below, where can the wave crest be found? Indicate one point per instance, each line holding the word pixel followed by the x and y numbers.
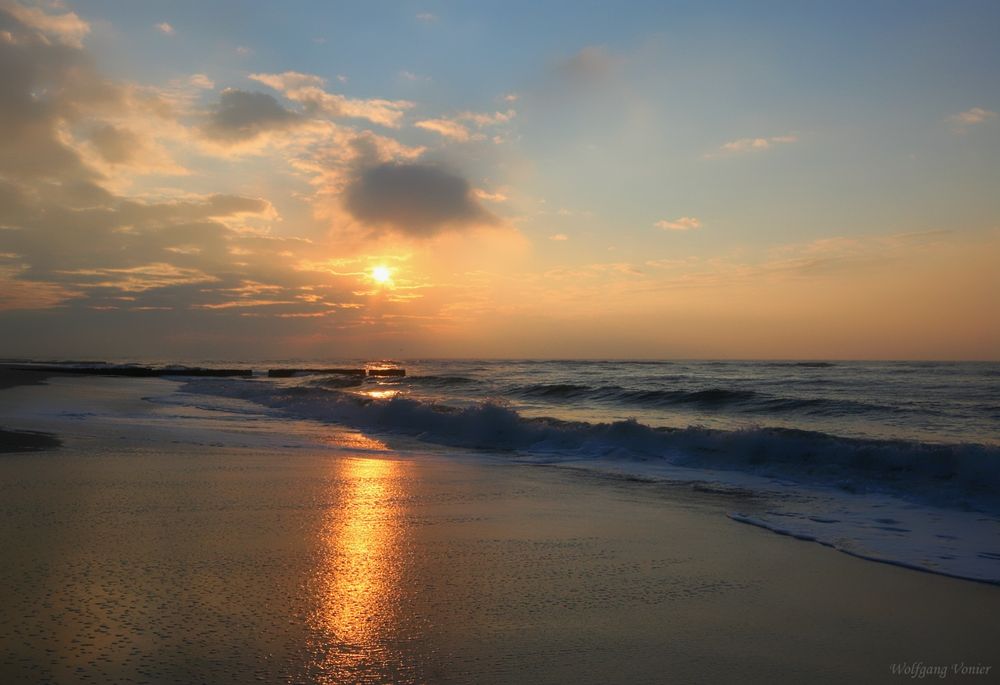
pixel 958 475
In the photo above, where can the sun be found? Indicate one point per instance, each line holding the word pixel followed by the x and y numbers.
pixel 381 274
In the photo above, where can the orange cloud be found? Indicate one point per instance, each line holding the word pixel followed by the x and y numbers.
pixel 307 90
pixel 67 28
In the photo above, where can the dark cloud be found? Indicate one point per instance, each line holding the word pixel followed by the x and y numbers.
pixel 415 199
pixel 243 115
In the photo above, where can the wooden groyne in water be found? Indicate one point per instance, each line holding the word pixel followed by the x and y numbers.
pixel 287 373
pixel 386 372
pixel 156 372
pixel 135 371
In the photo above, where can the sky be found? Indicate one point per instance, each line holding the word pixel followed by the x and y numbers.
pixel 221 180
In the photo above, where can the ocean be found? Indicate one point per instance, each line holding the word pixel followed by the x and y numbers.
pixel 896 462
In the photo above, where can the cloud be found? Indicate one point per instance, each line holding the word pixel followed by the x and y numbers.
pixel 579 93
pixel 414 78
pixel 418 200
pixel 454 128
pixel 592 64
pixel 307 90
pixel 488 196
pixel 139 279
pixel 559 237
pixel 52 95
pixel 66 28
pixel 165 28
pixel 684 223
pixel 971 117
pixel 116 145
pixel 242 115
pixel 16 294
pixel 426 17
pixel 482 119
pixel 742 145
pixel 289 81
pixel 447 128
pixel 201 81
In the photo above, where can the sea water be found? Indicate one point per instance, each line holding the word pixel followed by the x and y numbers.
pixel 893 461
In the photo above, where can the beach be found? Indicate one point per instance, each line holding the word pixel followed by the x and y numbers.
pixel 167 544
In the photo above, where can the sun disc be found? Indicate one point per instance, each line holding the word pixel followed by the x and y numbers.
pixel 381 274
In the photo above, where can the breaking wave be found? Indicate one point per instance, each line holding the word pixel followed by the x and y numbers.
pixel 965 476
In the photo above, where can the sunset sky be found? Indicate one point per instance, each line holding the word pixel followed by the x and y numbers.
pixel 198 180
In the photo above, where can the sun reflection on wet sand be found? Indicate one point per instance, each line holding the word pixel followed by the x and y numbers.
pixel 353 440
pixel 358 581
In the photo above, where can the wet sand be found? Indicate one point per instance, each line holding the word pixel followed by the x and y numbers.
pixel 10 378
pixel 134 557
pixel 20 440
pixel 26 441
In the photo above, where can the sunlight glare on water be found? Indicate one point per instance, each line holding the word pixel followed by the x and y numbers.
pixel 357 585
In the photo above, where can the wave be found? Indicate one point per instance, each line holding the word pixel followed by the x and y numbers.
pixel 337 381
pixel 751 401
pixel 710 396
pixel 957 475
pixel 805 365
pixel 554 390
pixel 441 381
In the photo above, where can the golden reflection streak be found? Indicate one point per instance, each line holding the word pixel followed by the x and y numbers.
pixel 358 580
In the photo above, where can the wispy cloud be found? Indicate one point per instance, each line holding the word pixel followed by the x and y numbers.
pixel 742 145
pixel 458 126
pixel 308 90
pixel 683 223
pixel 970 117
pixel 448 128
pixel 165 28
pixel 201 81
pixel 414 78
pixel 488 196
